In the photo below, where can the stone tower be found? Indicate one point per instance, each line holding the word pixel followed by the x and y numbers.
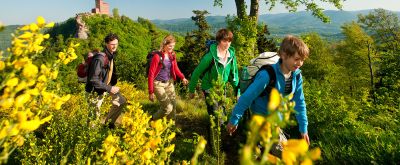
pixel 101 8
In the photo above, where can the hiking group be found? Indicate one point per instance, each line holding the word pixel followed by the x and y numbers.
pixel 220 61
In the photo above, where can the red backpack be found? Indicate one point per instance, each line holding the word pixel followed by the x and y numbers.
pixel 82 69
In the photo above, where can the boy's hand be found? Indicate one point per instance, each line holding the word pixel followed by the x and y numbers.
pixel 305 137
pixel 231 128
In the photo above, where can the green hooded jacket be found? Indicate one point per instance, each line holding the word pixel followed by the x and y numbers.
pixel 229 72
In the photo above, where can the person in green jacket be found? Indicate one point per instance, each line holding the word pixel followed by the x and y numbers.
pixel 220 60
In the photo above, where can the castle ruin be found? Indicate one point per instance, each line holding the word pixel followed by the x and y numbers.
pixel 101 8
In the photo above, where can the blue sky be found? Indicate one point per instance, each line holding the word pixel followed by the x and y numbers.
pixel 12 12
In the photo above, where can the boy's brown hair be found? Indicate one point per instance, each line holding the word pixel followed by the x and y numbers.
pixel 224 34
pixel 292 45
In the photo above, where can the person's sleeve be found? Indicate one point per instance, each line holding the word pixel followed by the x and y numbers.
pixel 152 73
pixel 252 92
pixel 204 63
pixel 96 76
pixel 300 107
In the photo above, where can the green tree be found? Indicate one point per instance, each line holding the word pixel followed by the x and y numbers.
pixel 385 29
pixel 319 65
pixel 353 55
pixel 116 13
pixel 265 44
pixel 194 46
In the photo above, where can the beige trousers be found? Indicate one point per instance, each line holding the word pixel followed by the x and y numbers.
pixel 165 93
pixel 95 102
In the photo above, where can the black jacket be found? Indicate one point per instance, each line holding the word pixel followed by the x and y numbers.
pixel 98 72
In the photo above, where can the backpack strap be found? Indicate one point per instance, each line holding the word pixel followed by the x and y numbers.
pixel 104 57
pixel 272 79
pixel 161 58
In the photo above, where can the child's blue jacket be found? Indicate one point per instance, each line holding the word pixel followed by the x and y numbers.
pixel 258 104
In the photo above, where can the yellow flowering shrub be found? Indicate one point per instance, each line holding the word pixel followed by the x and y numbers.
pixel 143 141
pixel 24 98
pixel 264 130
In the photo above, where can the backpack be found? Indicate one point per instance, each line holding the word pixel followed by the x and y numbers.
pixel 150 56
pixel 208 44
pixel 262 62
pixel 83 68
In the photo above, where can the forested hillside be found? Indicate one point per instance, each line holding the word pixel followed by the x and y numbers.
pixel 351 87
pixel 278 24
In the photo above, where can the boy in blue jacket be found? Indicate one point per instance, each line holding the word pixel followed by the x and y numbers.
pixel 292 52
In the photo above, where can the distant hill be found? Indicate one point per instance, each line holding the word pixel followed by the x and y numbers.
pixel 5 36
pixel 279 24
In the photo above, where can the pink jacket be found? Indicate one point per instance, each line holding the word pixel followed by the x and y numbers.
pixel 155 67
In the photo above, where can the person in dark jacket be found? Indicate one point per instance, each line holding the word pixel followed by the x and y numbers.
pixel 102 78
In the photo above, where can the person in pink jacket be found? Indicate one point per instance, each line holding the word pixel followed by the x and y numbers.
pixel 162 74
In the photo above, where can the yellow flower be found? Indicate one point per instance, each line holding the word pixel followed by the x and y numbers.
pixel 17 51
pixel 7 103
pixel 58 105
pixel 290 96
pixel 315 154
pixel 18 64
pixel 297 146
pixel 306 161
pixel 288 157
pixel 50 25
pixel 24 28
pixel 42 78
pixel 3 133
pixel 40 20
pixel 22 99
pixel 170 137
pixel 54 74
pixel 14 131
pixel 31 82
pixel 12 82
pixel 26 35
pixel 202 144
pixel 33 27
pixel 258 119
pixel 274 99
pixel 66 97
pixel 61 55
pixel 21 116
pixel 30 70
pixel 170 148
pixel 266 132
pixel 19 140
pixel 157 125
pixel 22 85
pixel 2 65
pixel 287 116
pixel 272 159
pixel 154 143
pixel 30 125
pixel 147 155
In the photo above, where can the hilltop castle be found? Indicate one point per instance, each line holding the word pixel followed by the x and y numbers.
pixel 101 8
